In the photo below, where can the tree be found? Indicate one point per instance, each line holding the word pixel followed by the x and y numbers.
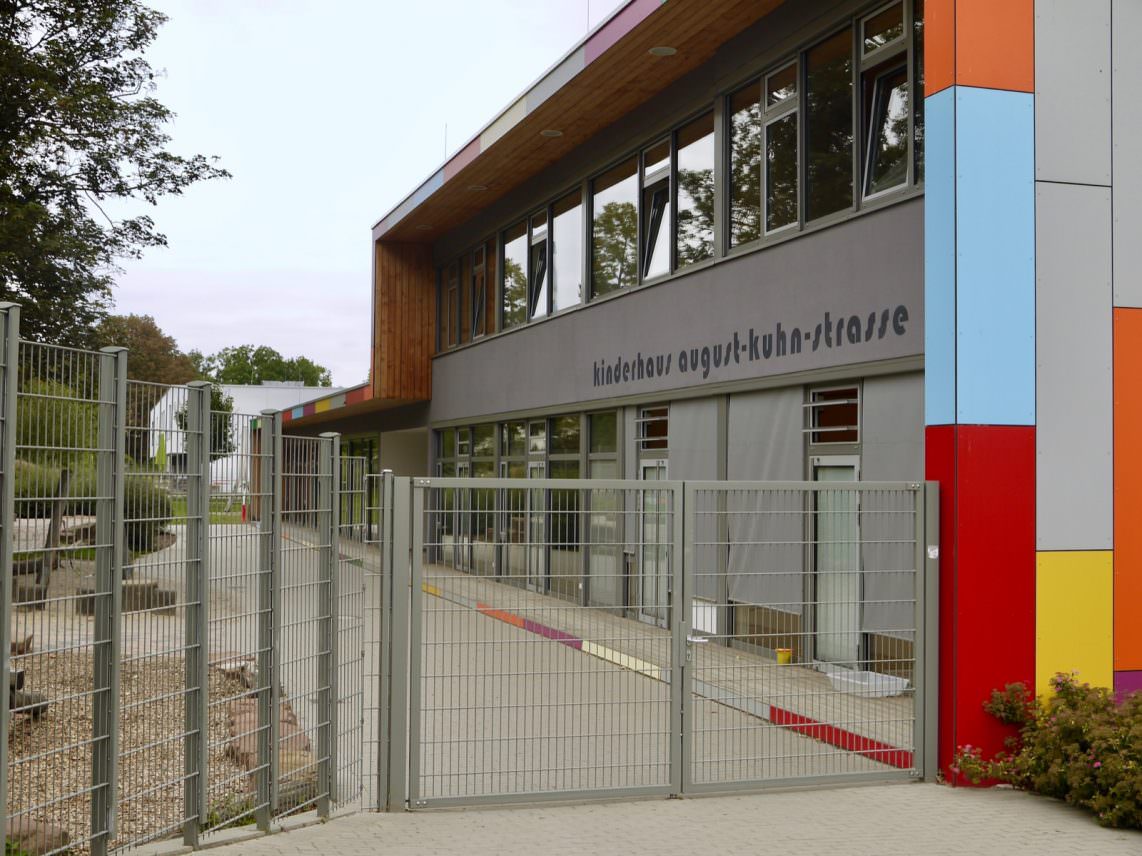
pixel 249 364
pixel 79 126
pixel 153 357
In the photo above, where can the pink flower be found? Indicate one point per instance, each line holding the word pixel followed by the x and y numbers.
pixel 1097 764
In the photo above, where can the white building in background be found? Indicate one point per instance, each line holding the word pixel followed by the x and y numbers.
pixel 229 473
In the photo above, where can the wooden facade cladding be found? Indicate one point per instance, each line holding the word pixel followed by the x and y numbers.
pixel 404 321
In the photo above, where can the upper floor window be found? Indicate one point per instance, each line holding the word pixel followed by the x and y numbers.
pixel 656 210
pixel 515 275
pixel 567 255
pixel 614 229
pixel 885 99
pixel 694 238
pixel 829 126
pixel 780 115
pixel 537 294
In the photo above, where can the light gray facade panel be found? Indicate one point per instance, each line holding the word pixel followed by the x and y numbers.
pixel 1074 467
pixel 765 442
pixel 693 439
pixel 1072 91
pixel 555 79
pixel 846 295
pixel 892 433
pixel 1127 118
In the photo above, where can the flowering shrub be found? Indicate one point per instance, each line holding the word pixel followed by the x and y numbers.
pixel 1077 746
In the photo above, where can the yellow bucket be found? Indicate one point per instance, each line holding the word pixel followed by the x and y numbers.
pixel 784 656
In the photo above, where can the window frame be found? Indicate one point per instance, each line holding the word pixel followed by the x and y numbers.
pixel 769 116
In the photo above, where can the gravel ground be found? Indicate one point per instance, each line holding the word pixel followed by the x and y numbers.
pixel 50 759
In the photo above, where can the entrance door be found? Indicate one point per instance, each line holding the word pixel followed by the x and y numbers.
pixel 837 561
pixel 536 530
pixel 654 570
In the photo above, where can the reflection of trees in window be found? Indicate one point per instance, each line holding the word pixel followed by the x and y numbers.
pixel 745 165
pixel 614 248
pixel 781 172
pixel 918 76
pixel 695 219
pixel 515 276
pixel 829 126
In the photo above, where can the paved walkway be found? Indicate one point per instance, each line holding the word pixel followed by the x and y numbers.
pixel 883 820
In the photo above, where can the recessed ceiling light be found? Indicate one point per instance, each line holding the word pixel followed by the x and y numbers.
pixel 422 227
pixel 477 187
pixel 663 50
pixel 551 133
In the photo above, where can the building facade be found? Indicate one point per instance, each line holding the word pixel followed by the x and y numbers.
pixel 829 240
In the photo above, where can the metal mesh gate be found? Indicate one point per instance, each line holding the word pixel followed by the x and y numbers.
pixel 580 637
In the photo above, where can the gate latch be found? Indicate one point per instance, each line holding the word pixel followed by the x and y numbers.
pixel 691 641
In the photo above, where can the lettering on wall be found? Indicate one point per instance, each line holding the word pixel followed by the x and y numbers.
pixel 755 345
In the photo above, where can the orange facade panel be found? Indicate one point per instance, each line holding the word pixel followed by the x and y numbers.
pixel 980 43
pixel 1127 489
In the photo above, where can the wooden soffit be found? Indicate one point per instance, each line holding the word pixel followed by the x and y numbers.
pixel 605 77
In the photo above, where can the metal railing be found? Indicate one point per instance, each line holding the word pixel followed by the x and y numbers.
pixel 213 625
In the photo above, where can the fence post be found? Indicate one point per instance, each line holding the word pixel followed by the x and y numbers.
pixel 682 566
pixel 269 530
pixel 400 589
pixel 328 498
pixel 930 668
pixel 108 597
pixel 384 638
pixel 10 350
pixel 199 441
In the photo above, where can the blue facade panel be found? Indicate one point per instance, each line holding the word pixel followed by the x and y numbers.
pixel 940 258
pixel 995 257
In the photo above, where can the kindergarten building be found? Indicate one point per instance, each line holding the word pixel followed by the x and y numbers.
pixel 825 239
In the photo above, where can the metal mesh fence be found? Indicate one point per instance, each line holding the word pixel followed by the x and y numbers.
pixel 376 541
pixel 62 696
pixel 542 651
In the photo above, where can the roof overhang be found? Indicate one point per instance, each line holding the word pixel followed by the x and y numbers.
pixel 599 81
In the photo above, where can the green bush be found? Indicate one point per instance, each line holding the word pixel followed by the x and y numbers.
pixel 147 504
pixel 148 509
pixel 1078 745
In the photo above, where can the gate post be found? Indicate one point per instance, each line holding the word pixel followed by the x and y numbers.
pixel 269 564
pixel 382 634
pixel 398 662
pixel 108 597
pixel 682 545
pixel 197 700
pixel 10 350
pixel 930 668
pixel 328 497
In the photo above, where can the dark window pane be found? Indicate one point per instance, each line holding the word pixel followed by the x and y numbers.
pixel 465 302
pixel 884 27
pixel 781 172
pixel 567 248
pixel 537 292
pixel 887 146
pixel 603 429
pixel 515 439
pixel 781 86
pixel 537 438
pixel 745 165
pixel 837 416
pixel 695 226
pixel 654 428
pixel 565 435
pixel 829 126
pixel 479 293
pixel 614 229
pixel 448 443
pixel 515 276
pixel 451 312
pixel 484 441
pixel 655 217
pixel 918 101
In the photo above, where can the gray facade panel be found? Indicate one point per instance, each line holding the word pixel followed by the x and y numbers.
pixel 846 295
pixel 1072 91
pixel 693 440
pixel 892 434
pixel 1127 82
pixel 764 442
pixel 1074 468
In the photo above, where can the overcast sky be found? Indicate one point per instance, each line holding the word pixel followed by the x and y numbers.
pixel 327 112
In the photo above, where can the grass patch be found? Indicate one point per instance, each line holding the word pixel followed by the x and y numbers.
pixel 218 512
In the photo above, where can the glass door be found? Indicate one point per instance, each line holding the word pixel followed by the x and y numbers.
pixel 536 530
pixel 653 596
pixel 837 562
